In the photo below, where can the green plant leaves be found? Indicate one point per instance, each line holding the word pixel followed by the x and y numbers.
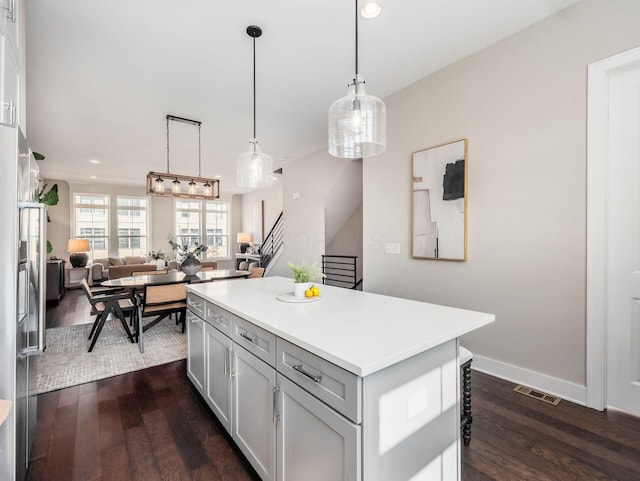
pixel 50 197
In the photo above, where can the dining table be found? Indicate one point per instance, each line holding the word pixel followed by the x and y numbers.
pixel 137 282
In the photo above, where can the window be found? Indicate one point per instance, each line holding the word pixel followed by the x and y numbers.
pixel 91 221
pixel 132 226
pixel 188 222
pixel 212 229
pixel 217 229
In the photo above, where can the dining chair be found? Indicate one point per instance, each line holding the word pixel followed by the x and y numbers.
pixel 149 273
pixel 256 272
pixel 104 303
pixel 466 357
pixel 243 266
pixel 160 301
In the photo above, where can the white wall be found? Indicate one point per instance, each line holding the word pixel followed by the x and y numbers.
pixel 272 206
pixel 522 105
pixel 348 240
pixel 313 178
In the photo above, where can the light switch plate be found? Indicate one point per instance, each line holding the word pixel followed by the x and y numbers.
pixel 392 248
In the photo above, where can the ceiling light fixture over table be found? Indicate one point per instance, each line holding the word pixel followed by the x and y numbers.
pixel 357 122
pixel 184 186
pixel 254 167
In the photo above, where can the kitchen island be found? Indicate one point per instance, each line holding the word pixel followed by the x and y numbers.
pixel 351 386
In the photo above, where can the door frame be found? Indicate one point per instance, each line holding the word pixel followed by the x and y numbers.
pixel 598 165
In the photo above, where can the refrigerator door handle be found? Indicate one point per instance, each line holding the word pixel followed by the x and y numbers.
pixel 38 345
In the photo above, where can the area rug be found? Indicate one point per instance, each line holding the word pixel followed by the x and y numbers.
pixel 66 361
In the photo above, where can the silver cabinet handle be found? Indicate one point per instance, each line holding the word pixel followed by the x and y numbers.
pixel 299 368
pixel 249 338
pixel 226 362
pixel 276 416
pixel 14 113
pixel 232 371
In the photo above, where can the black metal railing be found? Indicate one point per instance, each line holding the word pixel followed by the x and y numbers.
pixel 340 271
pixel 272 242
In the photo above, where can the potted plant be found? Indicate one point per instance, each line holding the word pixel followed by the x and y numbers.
pixel 189 254
pixel 48 197
pixel 303 275
pixel 158 258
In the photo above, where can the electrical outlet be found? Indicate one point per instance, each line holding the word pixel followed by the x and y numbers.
pixel 392 248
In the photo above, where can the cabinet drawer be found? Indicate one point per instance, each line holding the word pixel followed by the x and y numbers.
pixel 196 304
pixel 219 318
pixel 340 389
pixel 255 340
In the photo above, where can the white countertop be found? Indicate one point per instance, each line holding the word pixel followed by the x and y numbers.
pixel 358 331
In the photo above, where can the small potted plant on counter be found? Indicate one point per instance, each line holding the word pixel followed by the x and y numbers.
pixel 303 275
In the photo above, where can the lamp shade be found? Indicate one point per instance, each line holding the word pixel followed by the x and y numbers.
pixel 245 237
pixel 254 168
pixel 78 245
pixel 357 124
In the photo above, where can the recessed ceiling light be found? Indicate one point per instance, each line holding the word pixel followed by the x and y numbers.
pixel 92 177
pixel 217 177
pixel 370 10
pixel 94 161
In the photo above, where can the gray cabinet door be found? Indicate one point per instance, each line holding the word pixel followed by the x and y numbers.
pixel 218 372
pixel 253 418
pixel 314 442
pixel 195 351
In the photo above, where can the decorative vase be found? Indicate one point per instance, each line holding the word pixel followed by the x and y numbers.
pixel 159 263
pixel 191 265
pixel 300 288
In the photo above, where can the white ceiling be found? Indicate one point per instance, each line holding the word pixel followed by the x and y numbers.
pixel 102 76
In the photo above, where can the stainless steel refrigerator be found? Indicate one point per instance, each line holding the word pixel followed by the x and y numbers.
pixel 22 297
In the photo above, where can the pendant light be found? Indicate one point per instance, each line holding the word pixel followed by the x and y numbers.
pixel 156 183
pixel 357 122
pixel 254 167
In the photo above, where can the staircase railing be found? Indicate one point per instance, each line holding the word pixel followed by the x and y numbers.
pixel 272 242
pixel 340 271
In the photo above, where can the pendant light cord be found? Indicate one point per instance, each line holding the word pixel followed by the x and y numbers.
pixel 167 144
pixel 199 164
pixel 254 87
pixel 356 3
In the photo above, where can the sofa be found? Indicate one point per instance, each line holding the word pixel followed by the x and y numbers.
pixel 100 267
pixel 174 265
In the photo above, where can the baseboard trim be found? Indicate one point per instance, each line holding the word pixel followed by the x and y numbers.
pixel 541 382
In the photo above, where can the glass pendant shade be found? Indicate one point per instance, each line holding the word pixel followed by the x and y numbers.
pixel 159 185
pixel 176 186
pixel 254 168
pixel 357 124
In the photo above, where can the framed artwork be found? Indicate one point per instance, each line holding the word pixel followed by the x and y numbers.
pixel 258 222
pixel 439 214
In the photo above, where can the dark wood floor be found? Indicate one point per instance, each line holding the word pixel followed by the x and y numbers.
pixel 152 425
pixel 73 308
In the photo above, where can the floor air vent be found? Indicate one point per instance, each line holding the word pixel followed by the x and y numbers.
pixel 548 398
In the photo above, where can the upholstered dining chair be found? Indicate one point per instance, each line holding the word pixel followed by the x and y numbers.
pixel 466 357
pixel 160 301
pixel 104 303
pixel 256 272
pixel 243 266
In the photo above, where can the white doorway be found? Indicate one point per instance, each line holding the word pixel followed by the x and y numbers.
pixel 613 234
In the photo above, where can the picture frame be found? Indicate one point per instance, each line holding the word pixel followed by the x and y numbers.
pixel 439 204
